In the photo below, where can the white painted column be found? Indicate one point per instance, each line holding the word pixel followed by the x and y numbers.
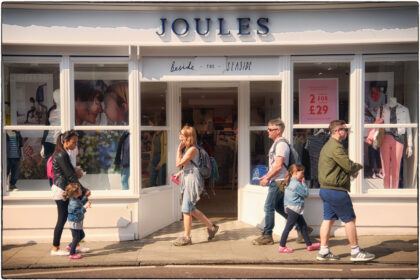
pixel 356 118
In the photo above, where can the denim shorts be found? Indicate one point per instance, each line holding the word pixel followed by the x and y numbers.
pixel 187 206
pixel 337 204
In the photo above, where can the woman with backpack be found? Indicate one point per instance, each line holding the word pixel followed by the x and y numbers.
pixel 192 185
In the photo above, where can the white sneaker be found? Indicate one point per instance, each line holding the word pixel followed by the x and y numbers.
pixel 79 249
pixel 373 175
pixel 59 253
pixel 82 249
pixel 379 175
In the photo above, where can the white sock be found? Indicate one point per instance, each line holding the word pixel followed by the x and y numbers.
pixel 355 249
pixel 324 250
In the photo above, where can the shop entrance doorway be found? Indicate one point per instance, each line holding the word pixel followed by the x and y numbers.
pixel 213 111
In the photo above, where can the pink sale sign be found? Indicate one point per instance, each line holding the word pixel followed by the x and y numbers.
pixel 318 101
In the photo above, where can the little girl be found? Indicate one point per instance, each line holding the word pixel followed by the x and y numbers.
pixel 76 210
pixel 295 193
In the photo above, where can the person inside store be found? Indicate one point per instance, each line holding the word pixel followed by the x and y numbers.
pixel 116 110
pixel 158 159
pixel 334 172
pixel 14 147
pixel 87 104
pixel 64 174
pixel 192 185
pixel 392 147
pixel 278 157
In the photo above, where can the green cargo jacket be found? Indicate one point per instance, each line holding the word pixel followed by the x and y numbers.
pixel 335 167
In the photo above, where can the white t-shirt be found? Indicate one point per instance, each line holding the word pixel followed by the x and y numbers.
pixel 282 150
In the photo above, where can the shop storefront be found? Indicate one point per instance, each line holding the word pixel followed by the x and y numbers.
pixel 133 74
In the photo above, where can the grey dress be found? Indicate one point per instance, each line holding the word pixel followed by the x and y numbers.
pixel 191 181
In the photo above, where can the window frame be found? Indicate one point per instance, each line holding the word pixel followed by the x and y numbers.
pixel 385 58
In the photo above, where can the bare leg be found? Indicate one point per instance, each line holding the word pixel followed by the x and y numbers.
pixel 325 230
pixel 187 224
pixel 202 218
pixel 351 232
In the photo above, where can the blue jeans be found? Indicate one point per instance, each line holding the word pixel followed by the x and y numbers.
pixel 78 234
pixel 13 168
pixel 292 219
pixel 125 175
pixel 274 201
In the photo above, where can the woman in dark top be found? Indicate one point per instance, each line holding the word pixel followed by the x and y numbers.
pixel 64 174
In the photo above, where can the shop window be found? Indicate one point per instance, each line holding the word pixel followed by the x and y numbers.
pixel 153 158
pixel 391 98
pixel 104 156
pixel 260 145
pixel 25 164
pixel 153 104
pixel 101 94
pixel 321 92
pixel 31 90
pixel 265 102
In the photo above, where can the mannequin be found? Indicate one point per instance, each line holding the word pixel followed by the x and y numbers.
pixel 392 147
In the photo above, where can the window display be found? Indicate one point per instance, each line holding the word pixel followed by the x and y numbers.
pixel 265 102
pixel 153 104
pixel 390 98
pixel 29 91
pixel 101 94
pixel 321 92
pixel 153 158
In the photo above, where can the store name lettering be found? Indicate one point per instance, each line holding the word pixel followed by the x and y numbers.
pixel 182 27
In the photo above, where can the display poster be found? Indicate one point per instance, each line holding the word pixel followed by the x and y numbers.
pixel 318 101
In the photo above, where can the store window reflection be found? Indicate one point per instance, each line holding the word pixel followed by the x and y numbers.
pixel 101 94
pixel 153 104
pixel 391 97
pixel 103 159
pixel 260 145
pixel 29 91
pixel 321 92
pixel 26 166
pixel 265 102
pixel 153 158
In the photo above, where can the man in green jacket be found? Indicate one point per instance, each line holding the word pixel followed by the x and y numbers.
pixel 334 172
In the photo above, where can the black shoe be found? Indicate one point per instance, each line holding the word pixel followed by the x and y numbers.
pixel 12 188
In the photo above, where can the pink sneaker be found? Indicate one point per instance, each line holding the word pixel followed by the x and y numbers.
pixel 314 246
pixel 284 250
pixel 75 257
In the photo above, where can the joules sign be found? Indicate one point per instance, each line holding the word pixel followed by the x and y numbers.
pixel 182 26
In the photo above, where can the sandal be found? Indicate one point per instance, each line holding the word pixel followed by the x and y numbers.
pixel 182 241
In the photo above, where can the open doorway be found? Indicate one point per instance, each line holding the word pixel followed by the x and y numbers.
pixel 213 111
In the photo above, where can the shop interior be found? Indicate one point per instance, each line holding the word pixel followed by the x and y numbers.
pixel 214 114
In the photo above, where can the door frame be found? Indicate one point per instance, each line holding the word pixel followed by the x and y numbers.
pixel 176 116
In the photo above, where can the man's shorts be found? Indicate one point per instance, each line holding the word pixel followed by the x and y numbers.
pixel 187 206
pixel 337 204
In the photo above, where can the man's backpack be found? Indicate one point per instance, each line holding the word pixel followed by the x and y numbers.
pixel 204 163
pixel 294 157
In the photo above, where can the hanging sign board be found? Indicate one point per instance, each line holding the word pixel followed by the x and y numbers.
pixel 318 101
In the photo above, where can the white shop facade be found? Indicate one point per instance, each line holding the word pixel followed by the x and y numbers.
pixel 226 69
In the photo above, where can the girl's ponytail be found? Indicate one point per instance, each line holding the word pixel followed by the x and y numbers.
pixel 292 169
